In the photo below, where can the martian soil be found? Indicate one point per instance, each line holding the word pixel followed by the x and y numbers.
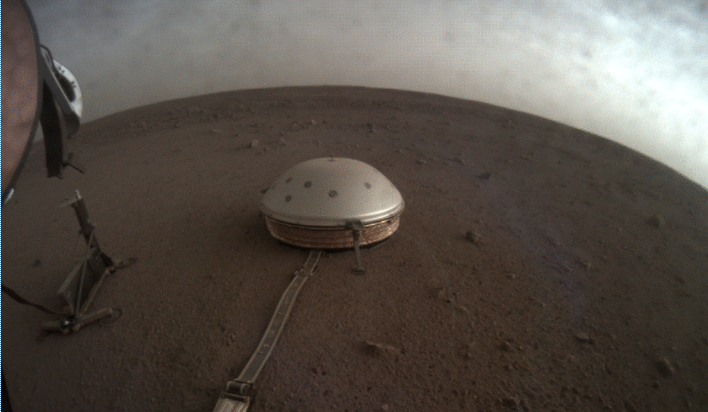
pixel 537 267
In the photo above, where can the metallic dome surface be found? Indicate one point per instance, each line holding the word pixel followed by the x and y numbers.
pixel 331 192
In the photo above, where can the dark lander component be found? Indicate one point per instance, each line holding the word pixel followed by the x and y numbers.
pixel 326 203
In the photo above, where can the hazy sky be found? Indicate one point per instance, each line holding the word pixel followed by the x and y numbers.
pixel 635 73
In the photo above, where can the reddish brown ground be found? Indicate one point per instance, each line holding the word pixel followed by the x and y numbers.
pixel 586 288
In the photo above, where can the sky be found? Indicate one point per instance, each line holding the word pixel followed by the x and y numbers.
pixel 633 72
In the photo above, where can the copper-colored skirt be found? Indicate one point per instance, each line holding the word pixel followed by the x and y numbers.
pixel 330 238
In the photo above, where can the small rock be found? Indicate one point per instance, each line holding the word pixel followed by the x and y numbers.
pixel 485 176
pixel 421 162
pixel 313 122
pixel 664 367
pixel 656 220
pixel 463 309
pixel 215 131
pixel 505 346
pixel 444 294
pixel 385 407
pixel 511 402
pixel 583 337
pixel 629 406
pixel 472 236
pixel 37 263
pixel 254 143
pixel 375 348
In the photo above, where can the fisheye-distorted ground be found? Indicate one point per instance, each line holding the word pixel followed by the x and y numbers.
pixel 536 268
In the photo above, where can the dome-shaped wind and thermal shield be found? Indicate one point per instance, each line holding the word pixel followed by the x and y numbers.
pixel 316 204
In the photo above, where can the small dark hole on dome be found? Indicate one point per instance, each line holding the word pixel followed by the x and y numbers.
pixel 333 193
pixel 308 184
pixel 368 185
pixel 288 198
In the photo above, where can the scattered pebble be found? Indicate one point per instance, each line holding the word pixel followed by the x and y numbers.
pixel 445 294
pixel 656 220
pixel 629 406
pixel 421 162
pixel 511 402
pixel 505 346
pixel 463 309
pixel 664 367
pixel 583 337
pixel 254 143
pixel 485 176
pixel 472 236
pixel 37 263
pixel 374 348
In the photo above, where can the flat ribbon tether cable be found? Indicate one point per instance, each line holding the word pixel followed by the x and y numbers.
pixel 239 392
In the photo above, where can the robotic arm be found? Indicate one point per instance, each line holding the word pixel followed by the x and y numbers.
pixel 35 89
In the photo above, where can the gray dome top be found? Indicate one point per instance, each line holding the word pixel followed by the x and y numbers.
pixel 329 192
